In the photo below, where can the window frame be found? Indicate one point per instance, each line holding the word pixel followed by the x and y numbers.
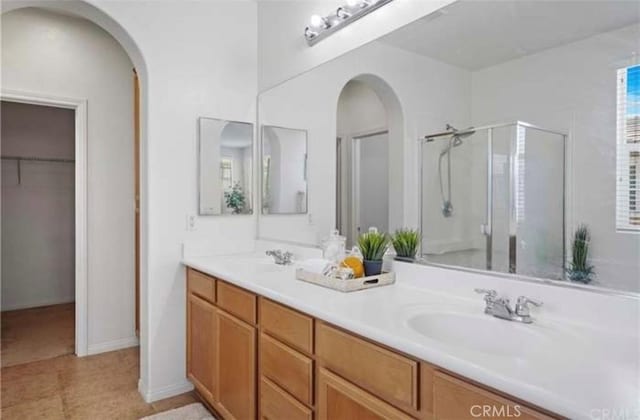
pixel 627 217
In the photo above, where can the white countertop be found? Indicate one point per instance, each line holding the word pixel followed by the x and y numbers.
pixel 586 373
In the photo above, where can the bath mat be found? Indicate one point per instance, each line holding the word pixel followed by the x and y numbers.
pixel 195 411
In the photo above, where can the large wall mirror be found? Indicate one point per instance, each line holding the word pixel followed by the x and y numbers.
pixel 284 170
pixel 225 167
pixel 513 146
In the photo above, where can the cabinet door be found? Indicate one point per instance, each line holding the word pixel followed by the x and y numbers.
pixel 456 399
pixel 339 399
pixel 201 336
pixel 236 368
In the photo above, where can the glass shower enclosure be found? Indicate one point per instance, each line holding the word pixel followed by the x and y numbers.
pixel 493 198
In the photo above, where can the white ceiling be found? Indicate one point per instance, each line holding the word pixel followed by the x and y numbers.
pixel 475 34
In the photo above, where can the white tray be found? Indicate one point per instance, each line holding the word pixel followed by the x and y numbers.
pixel 350 285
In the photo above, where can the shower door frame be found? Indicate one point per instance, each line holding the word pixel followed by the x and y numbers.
pixel 513 192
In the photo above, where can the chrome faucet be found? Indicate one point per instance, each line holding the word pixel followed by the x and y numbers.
pixel 280 257
pixel 501 308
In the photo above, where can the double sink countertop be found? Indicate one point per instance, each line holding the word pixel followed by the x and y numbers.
pixel 569 368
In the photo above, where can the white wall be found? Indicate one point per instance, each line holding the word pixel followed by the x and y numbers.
pixel 68 57
pixel 430 94
pixel 37 207
pixel 283 51
pixel 572 89
pixel 213 73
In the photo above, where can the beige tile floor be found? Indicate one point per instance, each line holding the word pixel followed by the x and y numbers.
pixel 96 387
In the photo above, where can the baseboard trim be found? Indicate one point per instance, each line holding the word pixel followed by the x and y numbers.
pixel 164 392
pixel 29 305
pixel 113 345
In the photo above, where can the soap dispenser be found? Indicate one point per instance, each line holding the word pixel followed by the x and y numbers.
pixel 333 248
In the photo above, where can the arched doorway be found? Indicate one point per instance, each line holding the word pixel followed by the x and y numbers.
pixel 22 93
pixel 370 137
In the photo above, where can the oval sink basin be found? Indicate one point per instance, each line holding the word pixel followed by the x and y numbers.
pixel 256 264
pixel 481 333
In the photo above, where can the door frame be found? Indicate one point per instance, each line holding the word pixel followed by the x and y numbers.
pixel 80 108
pixel 355 176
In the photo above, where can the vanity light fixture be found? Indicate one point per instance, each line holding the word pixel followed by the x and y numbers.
pixel 321 27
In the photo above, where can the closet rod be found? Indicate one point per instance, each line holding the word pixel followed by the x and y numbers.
pixel 38 159
pixel 33 159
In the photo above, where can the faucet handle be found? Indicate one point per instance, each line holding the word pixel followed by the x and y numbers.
pixel 489 294
pixel 522 305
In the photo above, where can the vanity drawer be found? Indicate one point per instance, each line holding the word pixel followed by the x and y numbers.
pixel 287 325
pixel 386 374
pixel 341 400
pixel 454 399
pixel 201 285
pixel 276 404
pixel 288 368
pixel 237 301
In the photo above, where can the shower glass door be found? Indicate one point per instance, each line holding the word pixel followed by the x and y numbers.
pixel 454 201
pixel 494 200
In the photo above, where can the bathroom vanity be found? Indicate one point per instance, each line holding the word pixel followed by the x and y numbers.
pixel 249 355
pixel 261 344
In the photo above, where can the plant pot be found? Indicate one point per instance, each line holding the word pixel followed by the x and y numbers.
pixel 405 259
pixel 372 268
pixel 581 276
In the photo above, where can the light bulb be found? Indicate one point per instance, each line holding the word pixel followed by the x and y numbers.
pixel 318 21
pixel 352 4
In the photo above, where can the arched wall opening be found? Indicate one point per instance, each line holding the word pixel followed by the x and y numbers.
pixel 370 154
pixel 21 92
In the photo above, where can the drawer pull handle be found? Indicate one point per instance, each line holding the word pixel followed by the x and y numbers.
pixel 372 281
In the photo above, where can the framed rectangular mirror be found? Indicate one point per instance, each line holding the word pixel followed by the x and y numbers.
pixel 225 169
pixel 284 170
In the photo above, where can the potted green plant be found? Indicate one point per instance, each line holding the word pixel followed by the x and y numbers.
pixel 579 269
pixel 405 242
pixel 235 199
pixel 373 245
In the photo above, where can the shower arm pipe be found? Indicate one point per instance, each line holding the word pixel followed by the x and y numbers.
pixel 486 127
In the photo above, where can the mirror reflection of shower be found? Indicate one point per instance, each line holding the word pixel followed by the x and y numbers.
pixel 493 199
pixel 455 140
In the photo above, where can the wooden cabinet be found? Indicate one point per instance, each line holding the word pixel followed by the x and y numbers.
pixel 201 343
pixel 456 399
pixel 238 302
pixel 286 367
pixel 235 367
pixel 285 324
pixel 252 358
pixel 277 404
pixel 221 348
pixel 201 285
pixel 341 400
pixel 387 374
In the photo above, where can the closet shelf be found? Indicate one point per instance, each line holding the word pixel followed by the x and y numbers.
pixel 38 159
pixel 34 159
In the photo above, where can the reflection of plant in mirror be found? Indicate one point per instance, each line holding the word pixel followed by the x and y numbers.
pixel 235 199
pixel 579 269
pixel 405 242
pixel 373 245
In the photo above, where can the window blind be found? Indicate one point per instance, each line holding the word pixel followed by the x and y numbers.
pixel 628 149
